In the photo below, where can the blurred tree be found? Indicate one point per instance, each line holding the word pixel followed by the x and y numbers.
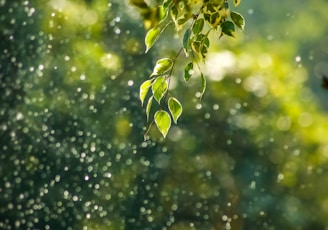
pixel 251 155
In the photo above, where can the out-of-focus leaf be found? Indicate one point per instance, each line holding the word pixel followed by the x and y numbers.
pixel 163 122
pixel 182 20
pixel 144 88
pixel 203 79
pixel 236 2
pixel 162 66
pixel 162 13
pixel 148 107
pixel 166 3
pixel 139 3
pixel 175 108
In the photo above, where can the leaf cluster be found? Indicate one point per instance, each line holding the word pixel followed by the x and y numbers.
pixel 197 19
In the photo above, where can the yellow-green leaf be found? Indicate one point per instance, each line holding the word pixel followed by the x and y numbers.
pixel 144 88
pixel 203 85
pixel 175 108
pixel 162 66
pixel 151 37
pixel 148 107
pixel 236 2
pixel 163 122
pixel 159 88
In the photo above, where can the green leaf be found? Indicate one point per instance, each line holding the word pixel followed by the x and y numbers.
pixel 228 28
pixel 236 2
pixel 203 85
pixel 162 66
pixel 163 122
pixel 175 108
pixel 139 3
pixel 148 107
pixel 167 3
pixel 188 71
pixel 206 42
pixel 238 19
pixel 195 46
pixel 186 41
pixel 159 88
pixel 174 12
pixel 215 19
pixel 162 13
pixel 182 20
pixel 198 26
pixel 151 37
pixel 144 88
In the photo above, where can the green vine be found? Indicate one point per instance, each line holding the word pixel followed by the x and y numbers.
pixel 198 18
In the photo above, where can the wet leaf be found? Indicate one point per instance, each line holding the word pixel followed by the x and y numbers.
pixel 144 88
pixel 238 19
pixel 151 37
pixel 175 108
pixel 163 122
pixel 162 66
pixel 159 88
pixel 188 70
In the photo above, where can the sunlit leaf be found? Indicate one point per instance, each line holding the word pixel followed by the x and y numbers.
pixel 162 66
pixel 228 28
pixel 148 107
pixel 144 88
pixel 151 37
pixel 236 2
pixel 238 19
pixel 203 78
pixel 159 88
pixel 175 108
pixel 162 13
pixel 188 71
pixel 198 26
pixel 163 122
pixel 186 41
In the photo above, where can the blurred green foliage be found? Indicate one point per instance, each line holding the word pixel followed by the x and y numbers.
pixel 252 154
